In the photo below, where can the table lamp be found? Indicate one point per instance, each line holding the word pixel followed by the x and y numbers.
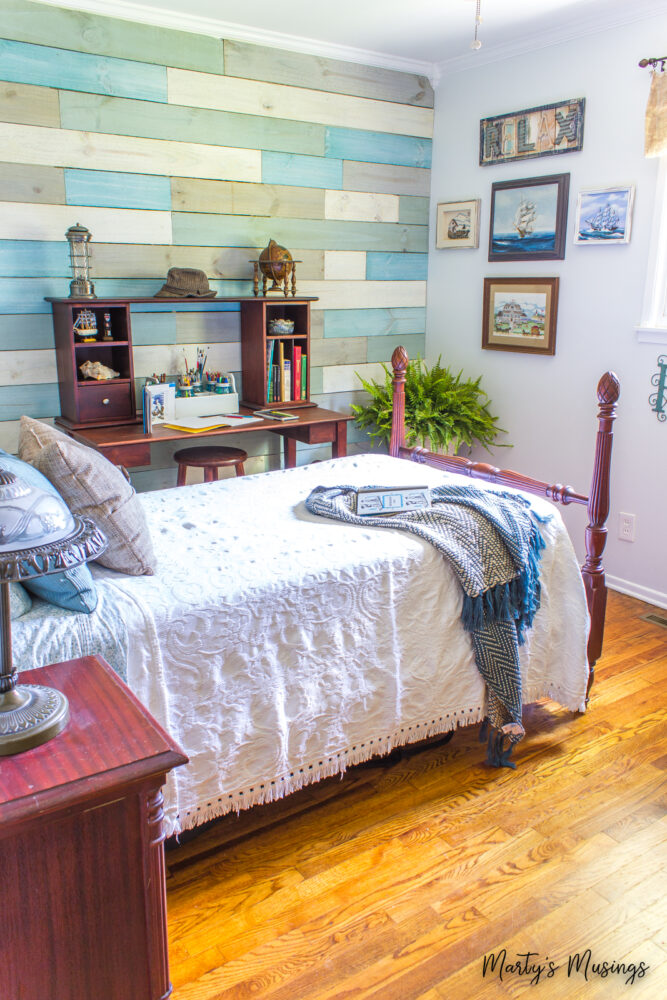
pixel 38 536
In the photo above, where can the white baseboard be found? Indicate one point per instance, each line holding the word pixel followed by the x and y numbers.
pixel 636 590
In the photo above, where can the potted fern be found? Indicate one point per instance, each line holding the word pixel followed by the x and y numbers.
pixel 443 411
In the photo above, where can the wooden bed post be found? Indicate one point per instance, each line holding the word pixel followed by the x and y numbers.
pixel 399 363
pixel 598 509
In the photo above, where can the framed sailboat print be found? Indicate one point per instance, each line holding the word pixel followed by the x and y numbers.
pixel 604 216
pixel 529 218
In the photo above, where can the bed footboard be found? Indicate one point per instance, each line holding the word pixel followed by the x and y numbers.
pixel 596 501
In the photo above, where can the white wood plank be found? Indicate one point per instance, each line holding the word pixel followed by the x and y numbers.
pixel 344 265
pixel 169 358
pixel 224 93
pixel 365 294
pixel 361 206
pixel 23 221
pixel 344 378
pixel 27 367
pixel 94 150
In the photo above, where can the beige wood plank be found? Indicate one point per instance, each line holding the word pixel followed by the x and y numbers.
pixel 27 367
pixel 235 198
pixel 365 294
pixel 206 90
pixel 117 260
pixel 24 182
pixel 100 151
pixel 338 351
pixel 345 378
pixel 361 207
pixel 345 265
pixel 358 176
pixel 28 105
pixel 259 62
pixel 22 221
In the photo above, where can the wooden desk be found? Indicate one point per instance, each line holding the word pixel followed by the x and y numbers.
pixel 127 444
pixel 81 848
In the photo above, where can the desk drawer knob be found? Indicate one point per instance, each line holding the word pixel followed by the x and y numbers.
pixel 105 402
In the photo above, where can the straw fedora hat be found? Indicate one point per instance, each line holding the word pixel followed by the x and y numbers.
pixel 185 282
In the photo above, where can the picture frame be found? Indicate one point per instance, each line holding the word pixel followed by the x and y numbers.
pixel 604 216
pixel 547 130
pixel 529 218
pixel 457 225
pixel 520 314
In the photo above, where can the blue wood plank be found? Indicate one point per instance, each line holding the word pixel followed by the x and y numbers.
pixel 163 306
pixel 377 147
pixel 138 287
pixel 301 171
pixel 31 400
pixel 26 258
pixel 374 322
pixel 21 62
pixel 26 295
pixel 30 332
pixel 149 328
pixel 117 190
pixel 396 266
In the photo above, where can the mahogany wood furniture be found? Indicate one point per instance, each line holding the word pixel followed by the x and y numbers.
pixel 261 349
pixel 597 501
pixel 85 402
pixel 210 460
pixel 129 446
pixel 81 848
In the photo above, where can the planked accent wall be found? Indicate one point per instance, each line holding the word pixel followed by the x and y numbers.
pixel 177 149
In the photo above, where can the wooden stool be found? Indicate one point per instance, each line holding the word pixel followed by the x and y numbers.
pixel 210 459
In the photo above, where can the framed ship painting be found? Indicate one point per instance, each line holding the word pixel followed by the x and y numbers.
pixel 457 225
pixel 529 218
pixel 519 314
pixel 604 216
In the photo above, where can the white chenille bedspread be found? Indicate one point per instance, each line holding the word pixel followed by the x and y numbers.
pixel 277 647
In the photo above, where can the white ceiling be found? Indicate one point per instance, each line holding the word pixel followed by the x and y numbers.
pixel 427 36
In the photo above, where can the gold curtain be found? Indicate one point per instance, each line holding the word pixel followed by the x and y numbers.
pixel 655 143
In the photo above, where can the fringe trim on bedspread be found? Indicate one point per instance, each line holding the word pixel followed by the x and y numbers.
pixel 265 792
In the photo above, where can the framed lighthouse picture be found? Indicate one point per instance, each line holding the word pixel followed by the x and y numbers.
pixel 529 218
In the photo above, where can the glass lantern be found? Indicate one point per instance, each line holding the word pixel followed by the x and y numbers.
pixel 80 255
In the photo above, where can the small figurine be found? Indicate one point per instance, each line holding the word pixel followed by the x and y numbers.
pixel 107 335
pixel 85 326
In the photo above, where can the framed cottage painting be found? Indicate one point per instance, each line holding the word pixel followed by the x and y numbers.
pixel 604 216
pixel 457 225
pixel 529 218
pixel 519 314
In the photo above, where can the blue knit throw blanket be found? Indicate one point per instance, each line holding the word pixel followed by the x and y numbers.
pixel 493 543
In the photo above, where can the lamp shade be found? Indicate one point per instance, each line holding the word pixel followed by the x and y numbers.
pixel 38 535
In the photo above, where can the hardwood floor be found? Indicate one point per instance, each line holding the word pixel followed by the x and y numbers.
pixel 395 882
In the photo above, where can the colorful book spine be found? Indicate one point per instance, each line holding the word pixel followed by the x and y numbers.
pixel 270 345
pixel 281 367
pixel 275 384
pixel 287 381
pixel 304 376
pixel 296 355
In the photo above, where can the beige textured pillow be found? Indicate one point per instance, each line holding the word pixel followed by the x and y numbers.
pixel 92 487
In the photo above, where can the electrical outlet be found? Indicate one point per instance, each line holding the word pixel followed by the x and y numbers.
pixel 626 527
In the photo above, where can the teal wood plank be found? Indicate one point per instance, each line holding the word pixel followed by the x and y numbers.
pixel 108 189
pixel 26 258
pixel 32 400
pixel 301 171
pixel 374 322
pixel 92 113
pixel 21 62
pixel 316 376
pixel 377 147
pixel 396 266
pixel 258 62
pixel 413 210
pixel 163 306
pixel 193 327
pixel 26 295
pixel 196 229
pixel 27 332
pixel 110 36
pixel 153 328
pixel 382 348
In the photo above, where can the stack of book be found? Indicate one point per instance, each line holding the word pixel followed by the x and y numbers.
pixel 286 372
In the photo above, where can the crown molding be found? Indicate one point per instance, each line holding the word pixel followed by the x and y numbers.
pixel 180 21
pixel 589 24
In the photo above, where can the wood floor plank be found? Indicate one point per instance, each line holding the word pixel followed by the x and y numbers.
pixel 395 881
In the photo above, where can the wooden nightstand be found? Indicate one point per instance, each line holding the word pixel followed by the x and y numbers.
pixel 81 848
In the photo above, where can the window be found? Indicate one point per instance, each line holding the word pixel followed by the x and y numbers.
pixel 653 327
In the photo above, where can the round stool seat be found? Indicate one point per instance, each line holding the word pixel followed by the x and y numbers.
pixel 209 458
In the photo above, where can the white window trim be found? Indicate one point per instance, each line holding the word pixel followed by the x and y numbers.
pixel 653 326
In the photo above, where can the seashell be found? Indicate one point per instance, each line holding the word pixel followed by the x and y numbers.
pixel 96 370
